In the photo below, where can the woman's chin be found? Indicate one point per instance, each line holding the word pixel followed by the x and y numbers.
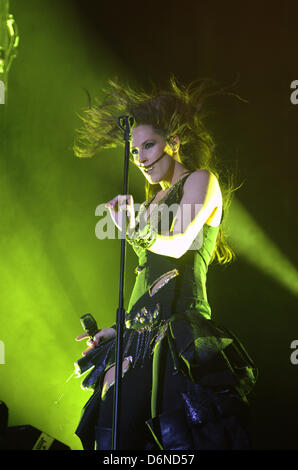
pixel 153 177
pixel 149 177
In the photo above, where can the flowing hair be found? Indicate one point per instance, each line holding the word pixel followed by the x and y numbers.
pixel 178 111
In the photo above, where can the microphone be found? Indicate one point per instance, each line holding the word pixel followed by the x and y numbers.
pixel 89 324
pixel 155 161
pixel 9 41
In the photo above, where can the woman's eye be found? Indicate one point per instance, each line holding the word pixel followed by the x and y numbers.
pixel 149 145
pixel 134 152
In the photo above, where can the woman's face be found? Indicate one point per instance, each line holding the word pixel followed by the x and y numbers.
pixel 146 147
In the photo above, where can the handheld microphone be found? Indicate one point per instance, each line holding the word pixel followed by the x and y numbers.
pixel 89 324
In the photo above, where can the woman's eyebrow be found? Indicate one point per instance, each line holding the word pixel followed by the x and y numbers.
pixel 145 141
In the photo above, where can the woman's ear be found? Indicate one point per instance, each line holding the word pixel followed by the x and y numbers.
pixel 173 144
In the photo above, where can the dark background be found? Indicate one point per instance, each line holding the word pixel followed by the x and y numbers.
pixel 256 42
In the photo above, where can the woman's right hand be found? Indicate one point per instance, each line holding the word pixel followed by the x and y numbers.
pixel 105 333
pixel 122 206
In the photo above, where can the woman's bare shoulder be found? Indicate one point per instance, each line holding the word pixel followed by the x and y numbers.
pixel 201 181
pixel 202 187
pixel 200 176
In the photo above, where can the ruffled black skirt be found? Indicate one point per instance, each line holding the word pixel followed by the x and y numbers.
pixel 219 374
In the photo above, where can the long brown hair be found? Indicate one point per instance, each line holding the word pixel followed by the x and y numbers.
pixel 177 111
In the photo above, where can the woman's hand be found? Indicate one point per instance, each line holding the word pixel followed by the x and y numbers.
pixel 122 206
pixel 100 335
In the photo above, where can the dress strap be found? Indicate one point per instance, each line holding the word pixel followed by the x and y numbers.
pixel 175 188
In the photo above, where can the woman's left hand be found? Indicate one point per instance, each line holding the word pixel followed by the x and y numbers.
pixel 122 206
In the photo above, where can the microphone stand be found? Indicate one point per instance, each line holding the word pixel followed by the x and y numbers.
pixel 125 123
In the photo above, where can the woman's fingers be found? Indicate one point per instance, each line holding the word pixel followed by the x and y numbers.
pixel 93 342
pixel 122 205
pixel 100 335
pixel 86 351
pixel 82 336
pixel 86 335
pixel 121 201
pixel 112 202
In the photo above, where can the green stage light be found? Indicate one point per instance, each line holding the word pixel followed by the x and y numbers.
pixel 48 273
pixel 255 246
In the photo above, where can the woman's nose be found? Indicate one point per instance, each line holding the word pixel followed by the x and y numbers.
pixel 142 159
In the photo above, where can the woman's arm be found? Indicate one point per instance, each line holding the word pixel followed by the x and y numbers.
pixel 201 199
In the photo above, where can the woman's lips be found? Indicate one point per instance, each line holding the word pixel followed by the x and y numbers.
pixel 148 170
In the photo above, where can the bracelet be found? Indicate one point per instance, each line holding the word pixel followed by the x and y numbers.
pixel 143 238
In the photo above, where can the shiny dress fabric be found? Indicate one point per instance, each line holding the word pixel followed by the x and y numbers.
pixel 215 371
